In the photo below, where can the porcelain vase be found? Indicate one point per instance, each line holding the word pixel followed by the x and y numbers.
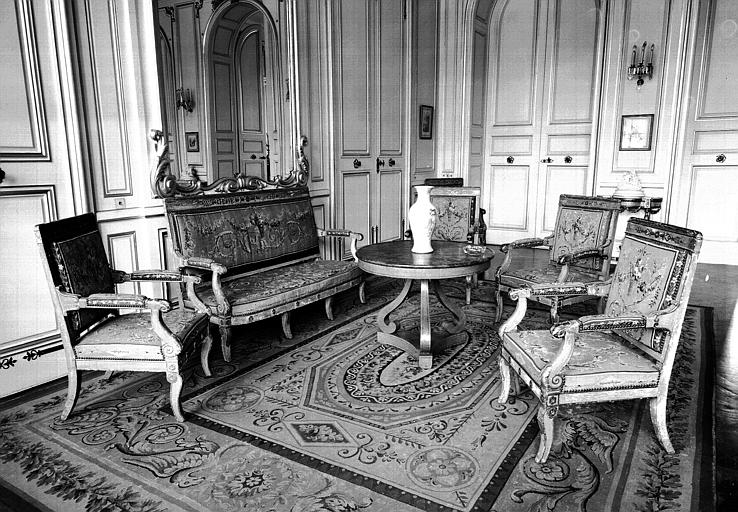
pixel 422 218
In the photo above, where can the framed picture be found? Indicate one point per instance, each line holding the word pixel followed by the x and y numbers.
pixel 192 139
pixel 426 122
pixel 635 132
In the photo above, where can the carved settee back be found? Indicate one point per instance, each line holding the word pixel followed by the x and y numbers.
pixel 245 230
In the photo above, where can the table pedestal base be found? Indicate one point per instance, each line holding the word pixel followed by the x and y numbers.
pixel 421 345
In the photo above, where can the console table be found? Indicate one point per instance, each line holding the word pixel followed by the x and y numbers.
pixel 447 261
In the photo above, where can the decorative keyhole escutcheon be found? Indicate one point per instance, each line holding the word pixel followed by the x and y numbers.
pixel 357 163
pixel 568 159
pixel 510 159
pixel 720 158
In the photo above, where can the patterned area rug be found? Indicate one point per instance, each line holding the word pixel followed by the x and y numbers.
pixel 334 421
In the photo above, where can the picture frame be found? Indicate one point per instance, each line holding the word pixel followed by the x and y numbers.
pixel 192 142
pixel 636 132
pixel 425 126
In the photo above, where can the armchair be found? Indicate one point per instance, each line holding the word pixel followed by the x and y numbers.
pixel 580 248
pixel 94 335
pixel 457 219
pixel 627 352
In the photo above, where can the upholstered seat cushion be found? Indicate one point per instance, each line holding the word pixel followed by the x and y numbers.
pixel 271 288
pixel 132 337
pixel 516 278
pixel 600 361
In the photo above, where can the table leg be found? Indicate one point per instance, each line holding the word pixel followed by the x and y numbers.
pixel 383 315
pixel 425 358
pixel 459 322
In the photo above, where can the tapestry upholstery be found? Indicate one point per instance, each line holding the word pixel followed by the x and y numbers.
pixel 273 287
pixel 580 229
pixel 238 230
pixel 520 277
pixel 599 360
pixel 647 279
pixel 84 270
pixel 131 336
pixel 455 217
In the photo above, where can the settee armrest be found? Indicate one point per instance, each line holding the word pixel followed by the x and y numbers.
pixel 205 264
pixel 217 269
pixel 344 233
pixel 173 276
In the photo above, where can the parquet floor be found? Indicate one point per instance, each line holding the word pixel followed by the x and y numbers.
pixel 715 286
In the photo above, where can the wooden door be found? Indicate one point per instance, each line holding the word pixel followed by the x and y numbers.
pixel 39 159
pixel 252 137
pixel 706 190
pixel 544 67
pixel 370 64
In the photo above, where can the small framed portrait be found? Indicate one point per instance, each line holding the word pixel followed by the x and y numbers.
pixel 192 140
pixel 636 132
pixel 426 122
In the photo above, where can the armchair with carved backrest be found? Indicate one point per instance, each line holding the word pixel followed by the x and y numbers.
pixel 94 334
pixel 626 353
pixel 580 248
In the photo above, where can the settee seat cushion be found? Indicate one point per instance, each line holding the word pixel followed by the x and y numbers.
pixel 517 278
pixel 271 288
pixel 600 361
pixel 131 336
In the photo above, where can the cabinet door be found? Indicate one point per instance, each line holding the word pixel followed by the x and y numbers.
pixel 544 58
pixel 706 191
pixel 370 109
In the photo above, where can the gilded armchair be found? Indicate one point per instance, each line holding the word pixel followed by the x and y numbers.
pixel 457 219
pixel 627 352
pixel 94 335
pixel 580 248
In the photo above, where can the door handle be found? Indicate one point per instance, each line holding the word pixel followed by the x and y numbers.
pixel 2 175
pixel 547 160
pixel 380 163
pixel 568 159
pixel 719 159
pixel 357 163
pixel 391 162
pixel 510 159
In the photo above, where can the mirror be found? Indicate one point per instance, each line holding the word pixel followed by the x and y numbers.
pixel 227 87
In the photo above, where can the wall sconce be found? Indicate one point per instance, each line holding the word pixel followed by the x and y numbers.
pixel 184 99
pixel 642 68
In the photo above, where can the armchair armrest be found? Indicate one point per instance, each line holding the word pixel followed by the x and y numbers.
pixel 663 319
pixel 73 302
pixel 519 244
pixel 345 233
pixel 205 264
pixel 557 289
pixel 525 242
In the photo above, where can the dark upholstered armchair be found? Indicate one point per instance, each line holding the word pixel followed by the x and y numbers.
pixel 580 248
pixel 627 352
pixel 95 336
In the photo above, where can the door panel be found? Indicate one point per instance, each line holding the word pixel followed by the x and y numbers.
pixel 390 205
pixel 706 192
pixel 356 215
pixel 543 119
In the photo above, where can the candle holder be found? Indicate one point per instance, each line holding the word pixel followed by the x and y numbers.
pixel 641 69
pixel 184 99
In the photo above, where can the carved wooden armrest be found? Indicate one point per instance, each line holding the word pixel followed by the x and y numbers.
pixel 175 276
pixel 663 319
pixel 521 296
pixel 223 306
pixel 73 302
pixel 597 288
pixel 345 233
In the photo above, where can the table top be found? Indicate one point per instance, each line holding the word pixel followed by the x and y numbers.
pixel 448 260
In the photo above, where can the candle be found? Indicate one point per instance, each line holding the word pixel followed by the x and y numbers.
pixel 633 59
pixel 643 53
